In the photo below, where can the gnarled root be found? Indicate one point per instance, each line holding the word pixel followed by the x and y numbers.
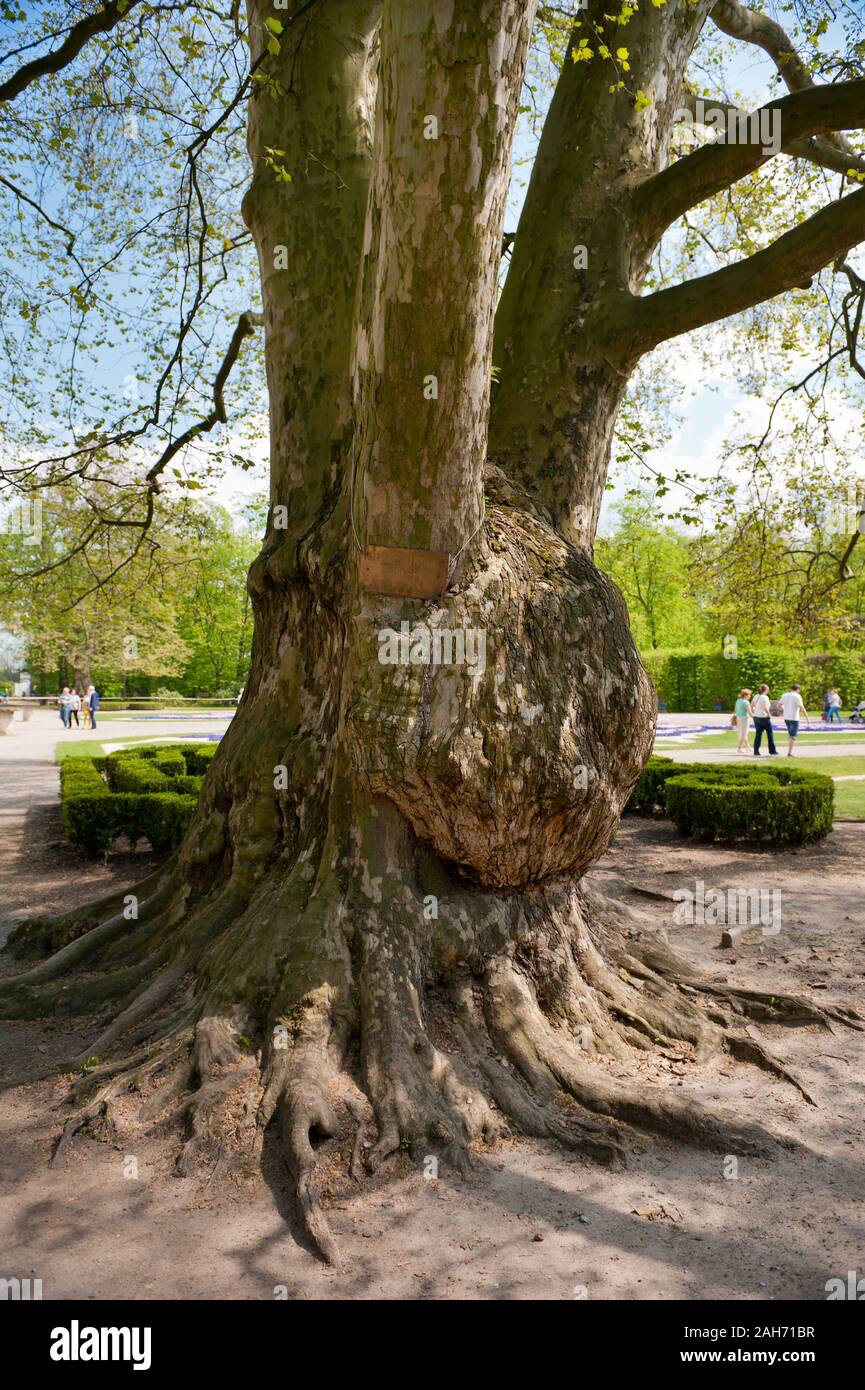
pixel 460 1043
pixel 545 1056
pixel 297 1080
pixel 208 1065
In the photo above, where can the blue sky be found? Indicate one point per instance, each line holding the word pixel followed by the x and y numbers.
pixel 706 408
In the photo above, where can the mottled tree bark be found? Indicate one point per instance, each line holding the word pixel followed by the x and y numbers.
pixel 562 382
pixel 381 888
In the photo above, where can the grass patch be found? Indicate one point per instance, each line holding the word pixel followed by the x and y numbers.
pixel 835 767
pixel 850 800
pixel 95 748
pixel 78 747
pixel 729 739
pixel 849 796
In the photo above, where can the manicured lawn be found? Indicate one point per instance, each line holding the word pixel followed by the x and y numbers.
pixel 850 800
pixel 83 747
pixel 94 748
pixel 849 796
pixel 727 739
pixel 835 767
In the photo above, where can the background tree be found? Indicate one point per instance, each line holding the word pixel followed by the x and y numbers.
pixel 176 606
pixel 214 615
pixel 652 565
pixel 71 624
pixel 391 856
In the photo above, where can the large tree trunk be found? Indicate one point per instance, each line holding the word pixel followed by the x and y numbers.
pixel 390 855
pixel 561 384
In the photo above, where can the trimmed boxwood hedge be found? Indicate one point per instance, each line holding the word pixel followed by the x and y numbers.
pixel 785 805
pixel 150 792
pixel 781 804
pixel 648 793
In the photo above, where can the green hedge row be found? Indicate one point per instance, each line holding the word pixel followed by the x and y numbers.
pixel 149 792
pixel 782 805
pixel 716 801
pixel 166 772
pixel 695 680
pixel 649 792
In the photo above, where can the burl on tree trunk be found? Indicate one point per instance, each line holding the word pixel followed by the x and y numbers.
pixel 376 929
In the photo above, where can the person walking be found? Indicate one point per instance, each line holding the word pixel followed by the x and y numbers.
pixel 794 711
pixel 74 707
pixel 762 715
pixel 63 703
pixel 91 699
pixel 833 706
pixel 742 712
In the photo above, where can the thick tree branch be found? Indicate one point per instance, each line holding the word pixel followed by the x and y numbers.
pixel 815 150
pixel 663 197
pixel 59 58
pixel 749 26
pixel 788 263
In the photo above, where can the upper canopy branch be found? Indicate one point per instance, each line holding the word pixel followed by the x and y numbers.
pixel 663 197
pixel 816 150
pixel 787 264
pixel 750 26
pixel 79 35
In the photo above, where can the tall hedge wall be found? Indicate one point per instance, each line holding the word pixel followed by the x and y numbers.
pixel 694 680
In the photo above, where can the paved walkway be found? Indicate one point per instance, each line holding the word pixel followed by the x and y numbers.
pixel 686 747
pixel 30 744
pixel 693 753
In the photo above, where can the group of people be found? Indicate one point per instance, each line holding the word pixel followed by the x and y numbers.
pixel 790 706
pixel 73 705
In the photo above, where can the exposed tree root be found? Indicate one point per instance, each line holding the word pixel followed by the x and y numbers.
pixel 528 1114
pixel 111 1080
pixel 76 935
pixel 747 1049
pixel 296 1088
pixel 545 1056
pixel 460 1045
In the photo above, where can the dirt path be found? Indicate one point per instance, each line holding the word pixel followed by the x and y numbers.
pixel 531 1222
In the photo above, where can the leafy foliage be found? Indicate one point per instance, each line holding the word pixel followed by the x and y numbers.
pixel 175 605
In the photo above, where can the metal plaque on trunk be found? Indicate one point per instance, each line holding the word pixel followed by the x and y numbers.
pixel 404 573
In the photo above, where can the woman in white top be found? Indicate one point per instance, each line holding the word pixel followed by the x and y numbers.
pixel 762 714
